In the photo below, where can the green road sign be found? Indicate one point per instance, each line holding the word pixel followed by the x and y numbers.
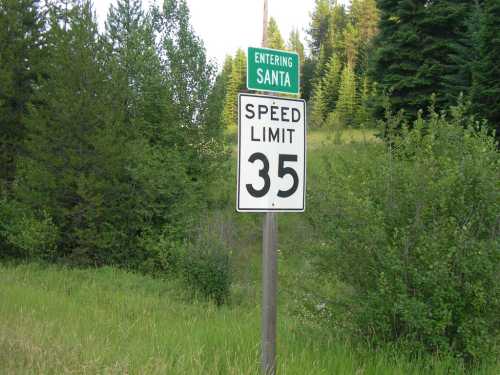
pixel 273 70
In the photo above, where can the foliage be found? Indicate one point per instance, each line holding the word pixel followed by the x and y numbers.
pixel 331 82
pixel 215 101
pixel 21 64
pixel 411 233
pixel 347 104
pixel 27 235
pixel 118 153
pixel 342 45
pixel 236 82
pixel 295 44
pixel 318 107
pixel 414 50
pixel 274 38
pixel 206 268
pixel 486 88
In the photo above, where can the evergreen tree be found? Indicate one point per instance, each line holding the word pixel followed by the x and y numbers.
pixel 235 85
pixel 307 79
pixel 464 57
pixel 331 83
pixel 318 106
pixel 319 26
pixel 363 114
pixel 334 43
pixel 365 16
pixel 347 104
pixel 21 64
pixel 295 45
pixel 76 153
pixel 444 24
pixel 319 62
pixel 486 90
pixel 414 50
pixel 274 38
pixel 216 99
pixel 398 58
pixel 351 44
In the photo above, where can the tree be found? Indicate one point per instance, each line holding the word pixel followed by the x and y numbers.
pixel 296 45
pixel 465 56
pixel 486 90
pixel 320 23
pixel 318 106
pixel 274 38
pixel 365 17
pixel 76 151
pixel 216 99
pixel 331 83
pixel 351 44
pixel 184 59
pixel 21 63
pixel 235 85
pixel 334 43
pixel 414 49
pixel 347 104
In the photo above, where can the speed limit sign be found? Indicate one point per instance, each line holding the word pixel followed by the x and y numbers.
pixel 271 154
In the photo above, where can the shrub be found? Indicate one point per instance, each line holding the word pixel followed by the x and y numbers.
pixel 26 234
pixel 206 269
pixel 412 234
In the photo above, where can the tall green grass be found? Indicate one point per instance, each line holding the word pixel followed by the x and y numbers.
pixel 60 321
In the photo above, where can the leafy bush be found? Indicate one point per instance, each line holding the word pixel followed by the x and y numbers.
pixel 412 229
pixel 206 268
pixel 26 234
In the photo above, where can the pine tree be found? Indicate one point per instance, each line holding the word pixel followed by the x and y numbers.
pixel 486 90
pixel 464 57
pixel 75 164
pixel 351 44
pixel 414 50
pixel 320 23
pixel 363 114
pixel 442 28
pixel 398 56
pixel 296 45
pixel 21 63
pixel 334 43
pixel 365 17
pixel 274 38
pixel 216 99
pixel 235 85
pixel 318 106
pixel 347 104
pixel 331 83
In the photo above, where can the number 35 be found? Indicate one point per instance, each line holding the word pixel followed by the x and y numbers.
pixel 282 172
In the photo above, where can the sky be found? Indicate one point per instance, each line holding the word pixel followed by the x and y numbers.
pixel 226 25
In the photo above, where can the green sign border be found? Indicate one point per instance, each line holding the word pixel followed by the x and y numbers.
pixel 268 90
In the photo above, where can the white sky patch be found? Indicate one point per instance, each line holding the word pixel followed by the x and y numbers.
pixel 226 25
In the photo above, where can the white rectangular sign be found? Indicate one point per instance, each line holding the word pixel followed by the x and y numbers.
pixel 271 154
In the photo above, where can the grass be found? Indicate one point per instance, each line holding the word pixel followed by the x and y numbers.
pixel 61 321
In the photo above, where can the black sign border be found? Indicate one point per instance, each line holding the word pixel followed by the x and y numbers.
pixel 240 209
